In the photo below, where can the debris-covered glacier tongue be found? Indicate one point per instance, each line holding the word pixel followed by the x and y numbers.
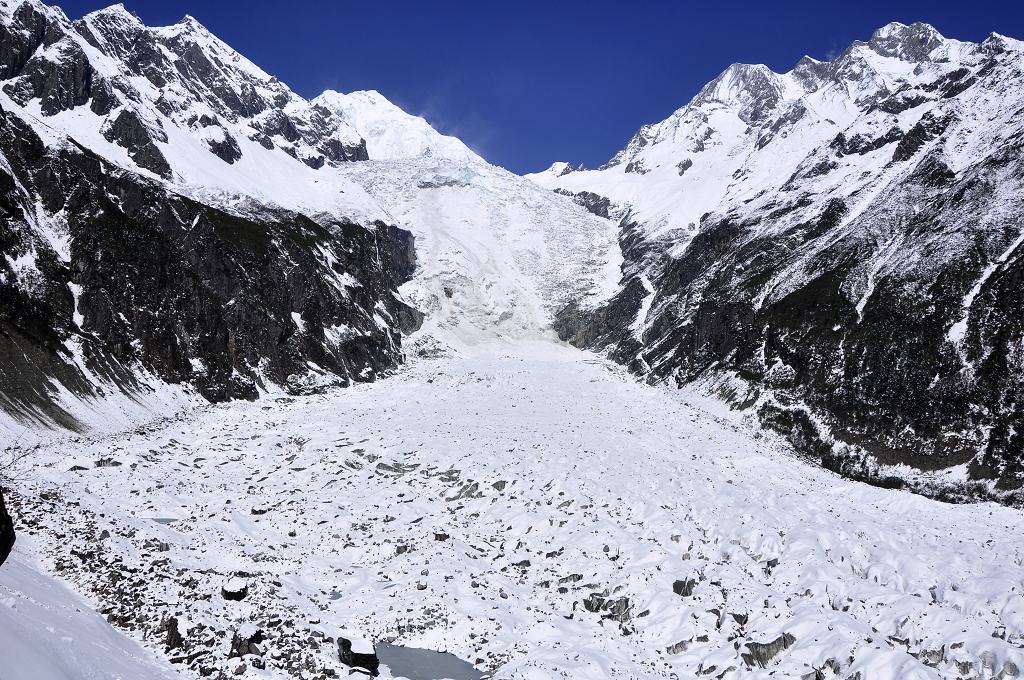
pixel 836 251
pixel 532 510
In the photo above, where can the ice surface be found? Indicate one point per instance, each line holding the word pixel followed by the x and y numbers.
pixel 424 664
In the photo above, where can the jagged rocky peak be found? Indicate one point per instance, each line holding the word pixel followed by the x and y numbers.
pixel 112 27
pixel 915 42
pixel 897 59
pixel 218 74
pixel 190 80
pixel 997 43
pixel 753 88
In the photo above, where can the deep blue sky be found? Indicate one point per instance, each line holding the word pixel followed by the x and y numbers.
pixel 530 82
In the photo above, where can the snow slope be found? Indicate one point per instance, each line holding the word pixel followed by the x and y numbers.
pixel 535 511
pixel 47 632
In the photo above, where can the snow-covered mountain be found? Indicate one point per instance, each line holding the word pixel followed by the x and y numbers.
pixel 179 216
pixel 836 249
pixel 179 227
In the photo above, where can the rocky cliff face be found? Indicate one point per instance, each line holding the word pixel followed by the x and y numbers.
pixel 190 292
pixel 837 250
pixel 139 250
pixel 6 531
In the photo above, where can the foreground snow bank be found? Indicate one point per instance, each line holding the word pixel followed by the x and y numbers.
pixel 47 632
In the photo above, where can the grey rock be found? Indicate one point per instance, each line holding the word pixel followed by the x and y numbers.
pixel 244 645
pixel 684 588
pixel 758 654
pixel 129 132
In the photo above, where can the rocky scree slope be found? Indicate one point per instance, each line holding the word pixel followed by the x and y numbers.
pixel 149 233
pixel 837 249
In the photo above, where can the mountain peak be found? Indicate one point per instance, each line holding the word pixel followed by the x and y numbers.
pixel 754 87
pixel 191 21
pixel 1003 43
pixel 389 131
pixel 558 169
pixel 909 43
pixel 116 9
pixel 187 25
pixel 113 15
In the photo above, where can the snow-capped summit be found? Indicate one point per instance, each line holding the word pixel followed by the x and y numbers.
pixel 752 88
pixel 559 168
pixel 915 43
pixel 390 132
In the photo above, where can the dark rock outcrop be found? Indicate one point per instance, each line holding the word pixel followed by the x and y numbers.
pixel 226 147
pixel 368 662
pixel 336 150
pixel 128 131
pixel 593 203
pixel 6 531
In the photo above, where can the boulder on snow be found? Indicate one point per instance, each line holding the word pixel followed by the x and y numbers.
pixel 246 641
pixel 358 653
pixel 172 636
pixel 684 588
pixel 235 589
pixel 760 653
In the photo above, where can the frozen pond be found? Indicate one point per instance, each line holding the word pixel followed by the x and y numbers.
pixel 425 664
